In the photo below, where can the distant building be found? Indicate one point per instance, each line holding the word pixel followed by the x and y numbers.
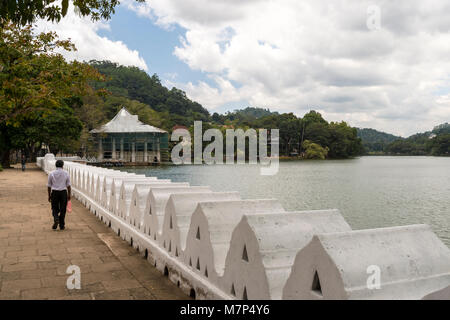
pixel 175 127
pixel 127 139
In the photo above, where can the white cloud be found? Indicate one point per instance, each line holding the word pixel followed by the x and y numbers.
pixel 84 34
pixel 293 55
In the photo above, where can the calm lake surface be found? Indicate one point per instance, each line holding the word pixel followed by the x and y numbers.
pixel 370 192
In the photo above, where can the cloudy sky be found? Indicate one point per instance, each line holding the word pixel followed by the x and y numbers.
pixel 378 64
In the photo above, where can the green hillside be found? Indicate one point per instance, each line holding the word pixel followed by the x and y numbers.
pixel 157 105
pixel 375 141
pixel 435 142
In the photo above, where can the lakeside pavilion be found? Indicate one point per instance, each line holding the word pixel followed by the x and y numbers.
pixel 126 139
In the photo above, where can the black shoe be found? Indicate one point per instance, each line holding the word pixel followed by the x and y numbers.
pixel 55 225
pixel 61 227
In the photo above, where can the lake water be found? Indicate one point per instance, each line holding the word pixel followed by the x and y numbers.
pixel 370 192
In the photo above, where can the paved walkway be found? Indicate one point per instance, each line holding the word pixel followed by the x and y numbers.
pixel 34 258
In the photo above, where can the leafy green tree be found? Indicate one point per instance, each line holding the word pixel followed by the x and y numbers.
pixel 441 129
pixel 313 117
pixel 441 145
pixel 35 80
pixel 217 118
pixel 343 142
pixel 318 132
pixel 59 131
pixel 318 123
pixel 290 131
pixel 135 84
pixel 289 126
pixel 27 11
pixel 400 147
pixel 314 150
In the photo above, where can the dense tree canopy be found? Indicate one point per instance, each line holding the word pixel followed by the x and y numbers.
pixel 314 151
pixel 440 145
pixel 24 12
pixel 136 84
pixel 37 86
pixel 246 115
pixel 340 139
pixel 433 142
pixel 375 141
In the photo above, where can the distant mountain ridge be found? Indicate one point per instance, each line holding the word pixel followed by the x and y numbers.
pixel 155 104
pixel 442 128
pixel 247 114
pixel 434 142
pixel 136 84
pixel 374 140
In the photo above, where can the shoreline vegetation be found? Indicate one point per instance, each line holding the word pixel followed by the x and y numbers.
pixel 155 104
pixel 431 143
pixel 404 155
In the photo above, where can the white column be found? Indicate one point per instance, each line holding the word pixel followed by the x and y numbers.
pixel 145 152
pixel 133 152
pixel 113 154
pixel 100 149
pixel 121 149
pixel 158 149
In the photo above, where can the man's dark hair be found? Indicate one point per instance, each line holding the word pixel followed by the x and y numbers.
pixel 59 163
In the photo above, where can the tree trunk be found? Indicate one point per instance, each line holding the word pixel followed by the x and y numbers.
pixel 301 141
pixel 29 152
pixel 5 157
pixel 33 153
pixel 5 147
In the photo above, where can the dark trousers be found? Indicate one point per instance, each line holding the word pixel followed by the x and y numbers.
pixel 59 205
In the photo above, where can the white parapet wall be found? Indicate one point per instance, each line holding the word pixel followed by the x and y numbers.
pixel 137 194
pixel 106 188
pixel 260 260
pixel 210 230
pixel 214 245
pixel 178 214
pixel 389 263
pixel 140 209
pixel 116 186
pixel 156 205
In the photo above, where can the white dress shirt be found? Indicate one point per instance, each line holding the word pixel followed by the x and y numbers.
pixel 58 180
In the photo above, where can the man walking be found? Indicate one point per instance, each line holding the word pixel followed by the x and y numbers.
pixel 23 160
pixel 59 191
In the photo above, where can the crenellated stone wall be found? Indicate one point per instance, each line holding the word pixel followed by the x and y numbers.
pixel 214 245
